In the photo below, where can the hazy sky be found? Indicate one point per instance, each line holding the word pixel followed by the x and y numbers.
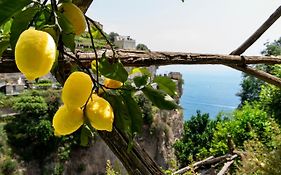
pixel 204 26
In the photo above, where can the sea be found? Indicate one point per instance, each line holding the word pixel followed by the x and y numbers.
pixel 208 88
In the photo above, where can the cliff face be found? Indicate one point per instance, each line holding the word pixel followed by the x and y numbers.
pixel 156 140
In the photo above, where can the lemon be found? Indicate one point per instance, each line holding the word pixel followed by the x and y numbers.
pixel 100 113
pixel 35 53
pixel 112 83
pixel 66 120
pixel 75 16
pixel 77 89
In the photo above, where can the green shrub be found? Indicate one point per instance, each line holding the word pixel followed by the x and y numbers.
pixel 8 166
pixel 196 139
pixel 249 122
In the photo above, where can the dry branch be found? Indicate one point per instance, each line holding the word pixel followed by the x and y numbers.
pixel 225 167
pixel 253 38
pixel 143 58
pixel 185 169
pixel 208 161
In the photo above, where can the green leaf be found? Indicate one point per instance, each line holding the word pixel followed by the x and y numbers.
pixel 20 23
pixel 44 18
pixel 134 112
pixel 140 81
pixel 122 119
pixel 86 133
pixel 5 28
pixel 166 84
pixel 68 41
pixel 10 7
pixel 115 71
pixel 68 34
pixel 159 98
pixel 141 70
pixel 3 46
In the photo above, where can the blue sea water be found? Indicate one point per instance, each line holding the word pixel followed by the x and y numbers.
pixel 207 88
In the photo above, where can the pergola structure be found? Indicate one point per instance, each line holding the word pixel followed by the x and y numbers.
pixel 137 160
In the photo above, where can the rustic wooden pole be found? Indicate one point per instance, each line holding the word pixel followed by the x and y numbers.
pixel 251 40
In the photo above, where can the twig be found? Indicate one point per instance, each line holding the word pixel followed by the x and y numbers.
pixel 95 52
pixel 225 167
pixel 102 33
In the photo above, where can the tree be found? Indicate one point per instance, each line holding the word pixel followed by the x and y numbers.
pixel 251 86
pixel 142 47
pixel 196 140
pixel 111 36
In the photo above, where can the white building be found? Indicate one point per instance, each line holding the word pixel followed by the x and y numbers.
pixel 124 42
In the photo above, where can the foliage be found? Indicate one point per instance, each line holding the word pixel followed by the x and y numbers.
pixel 259 160
pixel 146 108
pixel 110 170
pixel 270 100
pixel 251 86
pixel 196 140
pixel 32 130
pixel 111 36
pixel 203 137
pixel 8 166
pixel 249 122
pixel 273 48
pixel 142 47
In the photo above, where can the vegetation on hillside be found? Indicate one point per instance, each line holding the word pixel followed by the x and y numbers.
pixel 253 128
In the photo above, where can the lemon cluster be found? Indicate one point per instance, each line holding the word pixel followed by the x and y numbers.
pixel 75 93
pixel 35 50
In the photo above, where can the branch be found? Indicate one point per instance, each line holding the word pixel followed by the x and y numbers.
pixel 185 169
pixel 225 167
pixel 82 4
pixel 253 38
pixel 143 58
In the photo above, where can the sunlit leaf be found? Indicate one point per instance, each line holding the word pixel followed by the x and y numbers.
pixel 140 70
pixel 159 98
pixel 166 84
pixel 10 7
pixel 5 28
pixel 21 22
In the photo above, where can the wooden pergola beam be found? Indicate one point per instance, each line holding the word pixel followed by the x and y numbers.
pixel 143 58
pixel 250 41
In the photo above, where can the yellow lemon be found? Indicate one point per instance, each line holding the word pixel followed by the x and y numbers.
pixel 77 89
pixel 112 83
pixel 35 53
pixel 75 16
pixel 100 113
pixel 66 120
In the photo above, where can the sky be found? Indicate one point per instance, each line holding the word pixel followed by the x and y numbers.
pixel 200 26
